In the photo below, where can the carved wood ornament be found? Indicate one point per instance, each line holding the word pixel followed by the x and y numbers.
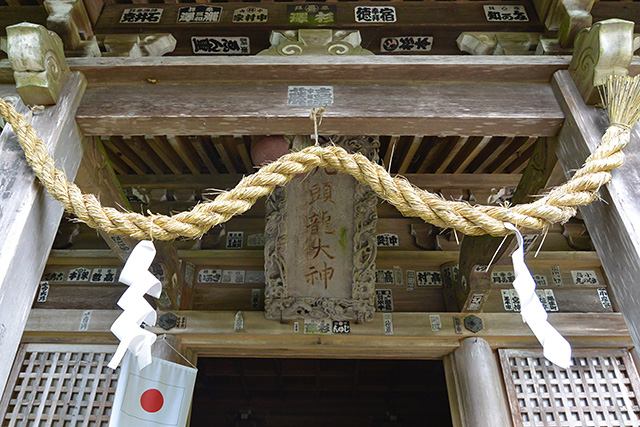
pixel 296 288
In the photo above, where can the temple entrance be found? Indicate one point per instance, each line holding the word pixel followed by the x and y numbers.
pixel 320 392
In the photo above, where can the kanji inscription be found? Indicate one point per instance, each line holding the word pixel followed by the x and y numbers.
pixel 320 244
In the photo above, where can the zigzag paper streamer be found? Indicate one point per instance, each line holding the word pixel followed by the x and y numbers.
pixel 127 328
pixel 555 348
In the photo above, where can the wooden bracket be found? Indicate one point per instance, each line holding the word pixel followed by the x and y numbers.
pixel 136 46
pixel 479 43
pixel 605 48
pixel 69 19
pixel 569 17
pixel 315 42
pixel 37 58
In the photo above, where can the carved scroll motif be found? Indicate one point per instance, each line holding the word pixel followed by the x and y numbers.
pixel 605 48
pixel 353 297
pixel 315 42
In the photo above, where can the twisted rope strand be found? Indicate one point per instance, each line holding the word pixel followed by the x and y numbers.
pixel 621 96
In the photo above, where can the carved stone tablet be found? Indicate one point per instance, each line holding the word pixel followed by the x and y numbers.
pixel 320 244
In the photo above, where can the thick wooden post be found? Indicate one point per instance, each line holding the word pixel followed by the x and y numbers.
pixel 29 217
pixel 480 399
pixel 613 222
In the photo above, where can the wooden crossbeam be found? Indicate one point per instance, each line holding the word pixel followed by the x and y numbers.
pixel 11 15
pixel 409 109
pixel 225 181
pixel 361 69
pixel 212 334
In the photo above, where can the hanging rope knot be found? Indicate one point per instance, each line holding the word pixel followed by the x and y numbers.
pixel 316 116
pixel 622 126
pixel 621 96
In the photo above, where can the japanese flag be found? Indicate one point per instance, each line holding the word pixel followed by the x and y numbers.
pixel 158 395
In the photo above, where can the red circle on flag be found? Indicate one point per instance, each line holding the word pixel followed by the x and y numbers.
pixel 152 400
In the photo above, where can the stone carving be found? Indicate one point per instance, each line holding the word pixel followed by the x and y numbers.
pixel 307 277
pixel 605 48
pixel 315 42
pixel 39 66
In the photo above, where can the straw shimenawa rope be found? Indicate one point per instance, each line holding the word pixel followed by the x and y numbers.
pixel 621 97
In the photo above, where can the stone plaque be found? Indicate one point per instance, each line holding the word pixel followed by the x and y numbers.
pixel 320 244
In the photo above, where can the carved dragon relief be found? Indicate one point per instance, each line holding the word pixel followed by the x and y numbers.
pixel 279 304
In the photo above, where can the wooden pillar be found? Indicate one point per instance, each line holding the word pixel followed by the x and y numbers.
pixel 476 391
pixel 613 222
pixel 29 217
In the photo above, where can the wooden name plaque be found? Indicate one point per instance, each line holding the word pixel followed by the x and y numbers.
pixel 320 244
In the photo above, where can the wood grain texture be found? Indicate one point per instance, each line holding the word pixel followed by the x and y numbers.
pixel 409 109
pixel 536 69
pixel 487 406
pixel 481 250
pixel 442 20
pixel 422 180
pixel 612 221
pixel 29 217
pixel 212 334
pixel 96 176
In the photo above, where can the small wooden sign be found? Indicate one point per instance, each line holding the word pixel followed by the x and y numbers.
pixel 310 96
pixel 141 15
pixel 406 44
pixel 220 45
pixel 250 14
pixel 375 14
pixel 199 14
pixel 341 327
pixel 312 14
pixel 498 13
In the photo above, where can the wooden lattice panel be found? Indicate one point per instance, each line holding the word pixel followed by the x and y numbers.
pixel 599 389
pixel 60 385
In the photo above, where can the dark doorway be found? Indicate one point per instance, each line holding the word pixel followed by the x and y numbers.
pixel 320 392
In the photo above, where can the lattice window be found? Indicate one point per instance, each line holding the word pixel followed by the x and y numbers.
pixel 599 389
pixel 60 385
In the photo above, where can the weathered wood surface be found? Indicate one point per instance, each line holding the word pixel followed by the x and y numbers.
pixel 443 21
pixel 474 363
pixel 11 15
pixel 613 221
pixel 66 294
pixel 482 249
pixel 212 333
pixel 96 176
pixel 409 109
pixel 29 217
pixel 435 182
pixel 529 69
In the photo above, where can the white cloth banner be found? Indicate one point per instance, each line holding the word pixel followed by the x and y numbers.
pixel 158 395
pixel 555 348
pixel 136 275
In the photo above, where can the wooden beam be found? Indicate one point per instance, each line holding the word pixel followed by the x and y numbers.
pixel 409 109
pixel 212 334
pixel 613 220
pixel 29 217
pixel 11 15
pixel 480 250
pixel 226 181
pixel 96 176
pixel 497 69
